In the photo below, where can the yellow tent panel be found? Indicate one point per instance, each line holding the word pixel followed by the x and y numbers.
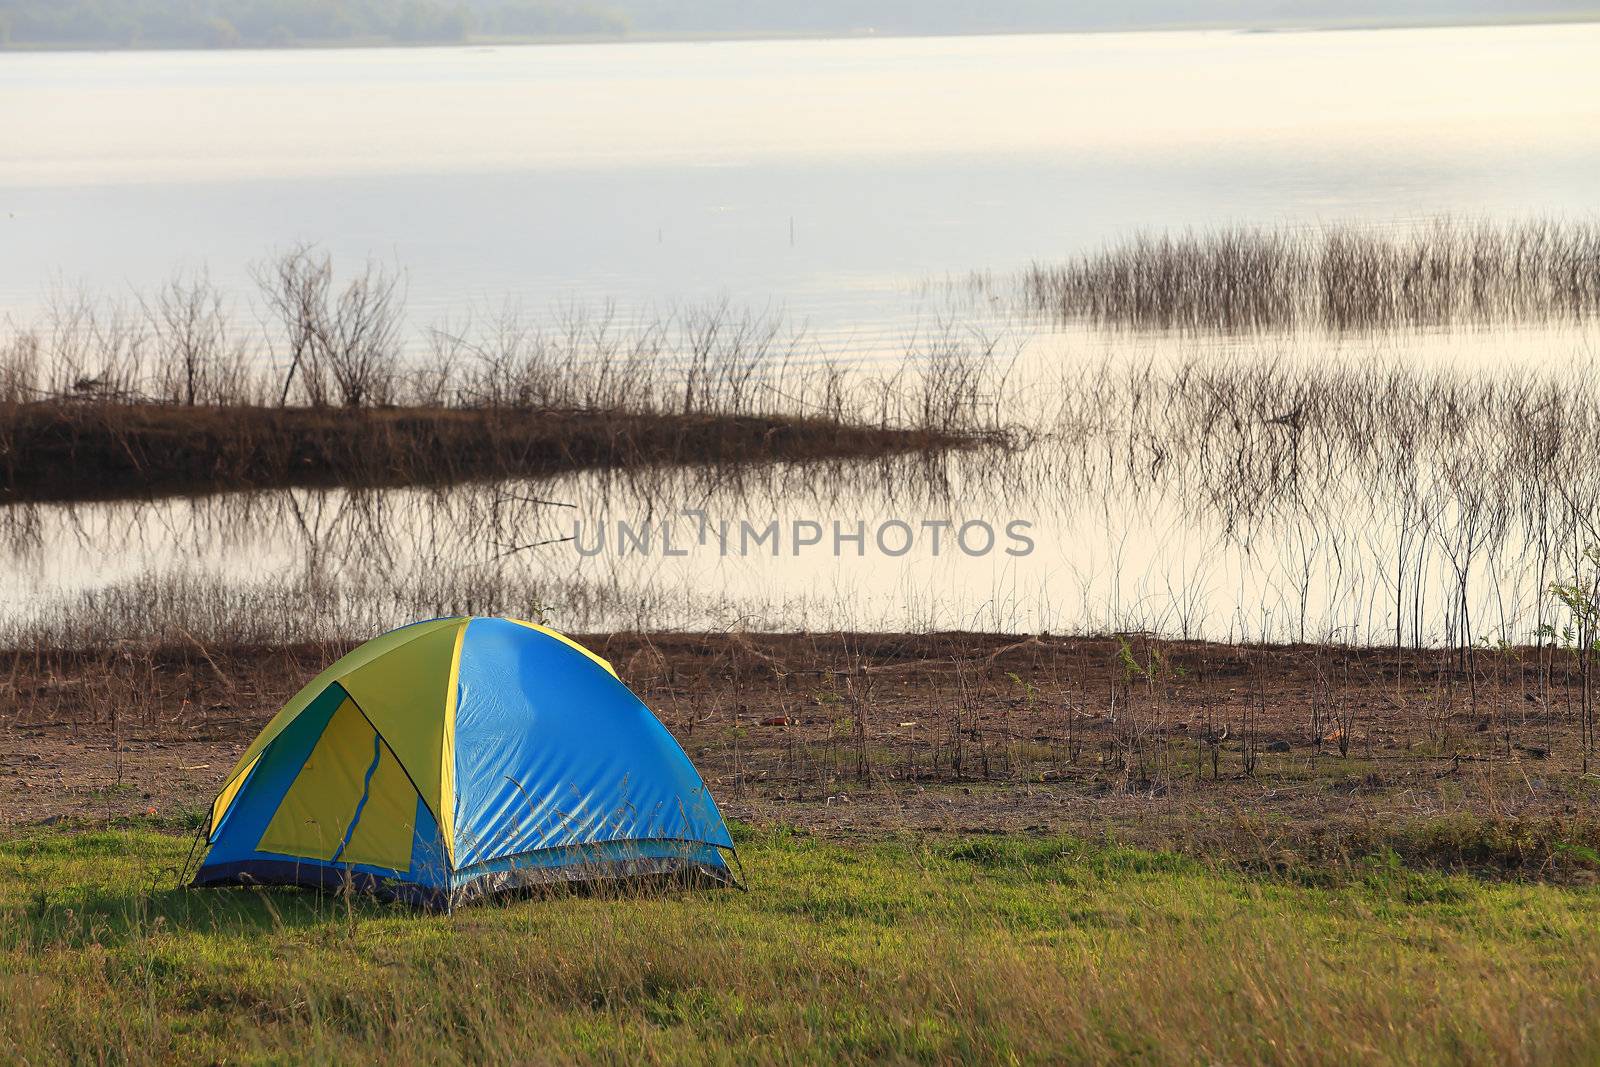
pixel 320 807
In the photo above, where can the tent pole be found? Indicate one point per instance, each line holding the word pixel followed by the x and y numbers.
pixel 183 872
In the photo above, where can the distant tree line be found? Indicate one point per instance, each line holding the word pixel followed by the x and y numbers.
pixel 222 23
pixel 1002 16
pixel 268 23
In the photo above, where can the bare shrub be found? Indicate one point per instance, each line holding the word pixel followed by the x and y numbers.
pixel 199 360
pixel 347 343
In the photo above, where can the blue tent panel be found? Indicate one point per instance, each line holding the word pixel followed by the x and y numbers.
pixel 553 751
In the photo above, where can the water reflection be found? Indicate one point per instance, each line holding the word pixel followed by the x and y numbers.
pixel 1238 499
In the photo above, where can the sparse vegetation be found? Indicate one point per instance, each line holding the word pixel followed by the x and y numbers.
pixel 106 399
pixel 1374 499
pixel 1276 759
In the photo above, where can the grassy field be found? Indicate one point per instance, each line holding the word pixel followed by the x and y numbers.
pixel 994 948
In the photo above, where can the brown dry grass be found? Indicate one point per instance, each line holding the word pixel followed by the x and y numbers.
pixel 1279 757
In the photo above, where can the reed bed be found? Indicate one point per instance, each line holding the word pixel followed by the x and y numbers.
pixel 1384 476
pixel 1363 502
pixel 1337 277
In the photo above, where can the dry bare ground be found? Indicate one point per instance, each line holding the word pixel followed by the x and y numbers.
pixel 1269 756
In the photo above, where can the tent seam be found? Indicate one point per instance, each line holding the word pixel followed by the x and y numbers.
pixel 366 791
pixel 447 742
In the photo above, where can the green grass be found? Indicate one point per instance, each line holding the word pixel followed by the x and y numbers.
pixel 989 948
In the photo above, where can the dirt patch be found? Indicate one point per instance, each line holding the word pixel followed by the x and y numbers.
pixel 1265 754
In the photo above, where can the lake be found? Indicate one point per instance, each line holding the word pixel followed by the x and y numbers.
pixel 656 176
pixel 661 174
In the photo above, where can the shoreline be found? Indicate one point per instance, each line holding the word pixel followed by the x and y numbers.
pixel 61 451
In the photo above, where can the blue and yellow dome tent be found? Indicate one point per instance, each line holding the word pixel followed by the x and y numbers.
pixel 458 757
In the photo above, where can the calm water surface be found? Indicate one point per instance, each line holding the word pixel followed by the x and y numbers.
pixel 831 178
pixel 843 182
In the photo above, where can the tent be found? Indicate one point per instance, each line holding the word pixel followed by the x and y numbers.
pixel 459 757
